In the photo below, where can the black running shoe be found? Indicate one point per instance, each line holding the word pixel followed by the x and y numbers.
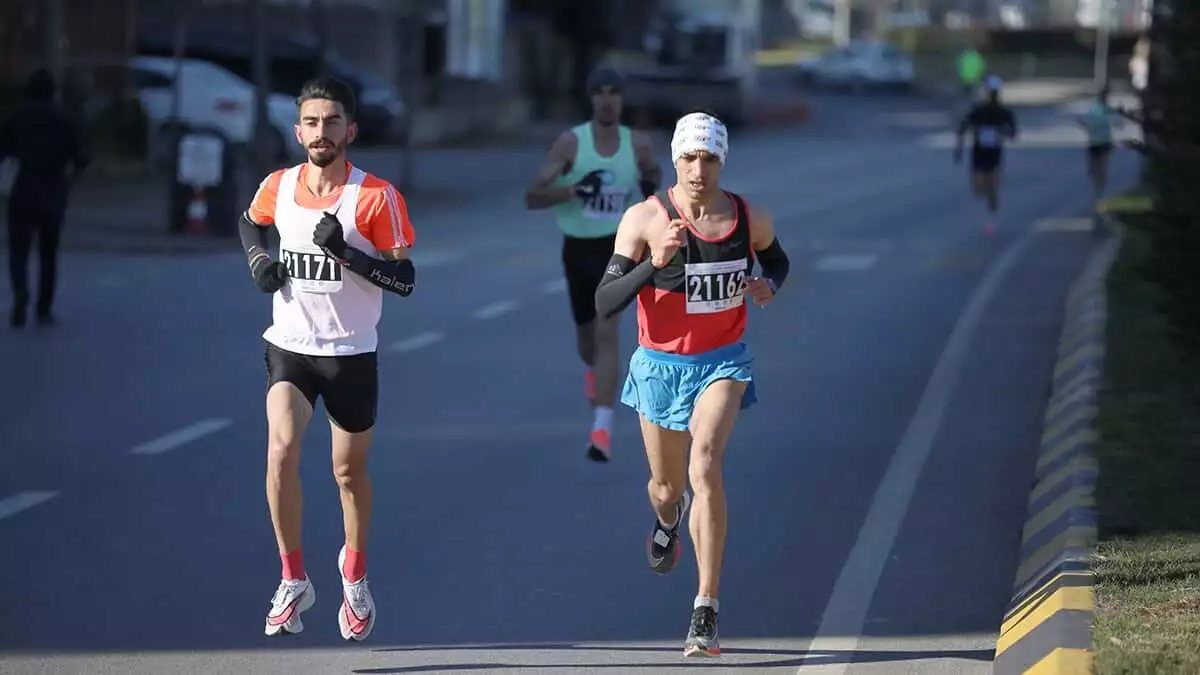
pixel 662 547
pixel 702 634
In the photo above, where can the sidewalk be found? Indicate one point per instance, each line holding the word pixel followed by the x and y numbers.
pixel 127 214
pixel 125 211
pixel 1027 93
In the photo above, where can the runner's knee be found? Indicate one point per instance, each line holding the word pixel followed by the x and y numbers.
pixel 665 491
pixel 283 451
pixel 704 469
pixel 287 416
pixel 350 451
pixel 349 472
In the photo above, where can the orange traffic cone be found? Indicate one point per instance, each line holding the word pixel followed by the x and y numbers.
pixel 197 214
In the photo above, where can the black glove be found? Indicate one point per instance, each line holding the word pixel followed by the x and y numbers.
pixel 589 186
pixel 328 236
pixel 269 275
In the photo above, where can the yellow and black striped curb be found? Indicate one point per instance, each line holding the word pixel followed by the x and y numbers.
pixel 1047 629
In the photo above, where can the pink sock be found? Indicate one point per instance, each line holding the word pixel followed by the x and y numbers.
pixel 293 565
pixel 354 567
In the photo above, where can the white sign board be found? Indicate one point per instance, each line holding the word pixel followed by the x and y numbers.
pixel 200 160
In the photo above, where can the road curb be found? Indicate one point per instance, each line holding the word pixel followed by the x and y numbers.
pixel 1047 628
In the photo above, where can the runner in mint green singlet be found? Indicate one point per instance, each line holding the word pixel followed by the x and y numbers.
pixel 593 173
pixel 1098 123
pixel 607 186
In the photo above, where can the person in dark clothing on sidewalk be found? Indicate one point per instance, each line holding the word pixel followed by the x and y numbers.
pixel 49 152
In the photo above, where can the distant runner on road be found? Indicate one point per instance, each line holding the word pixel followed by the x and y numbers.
pixel 687 255
pixel 593 173
pixel 1098 123
pixel 991 123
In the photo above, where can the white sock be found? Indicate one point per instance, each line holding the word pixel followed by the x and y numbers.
pixel 603 419
pixel 674 523
pixel 705 601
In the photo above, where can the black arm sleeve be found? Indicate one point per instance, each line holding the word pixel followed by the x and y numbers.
pixel 620 284
pixel 397 276
pixel 774 263
pixel 254 240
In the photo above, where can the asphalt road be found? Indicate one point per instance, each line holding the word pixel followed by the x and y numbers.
pixel 877 490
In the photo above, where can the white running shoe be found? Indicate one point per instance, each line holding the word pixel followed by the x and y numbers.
pixel 356 616
pixel 291 599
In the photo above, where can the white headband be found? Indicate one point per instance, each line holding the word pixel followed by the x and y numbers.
pixel 697 132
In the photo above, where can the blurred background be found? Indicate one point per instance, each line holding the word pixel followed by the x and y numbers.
pixel 133 426
pixel 429 72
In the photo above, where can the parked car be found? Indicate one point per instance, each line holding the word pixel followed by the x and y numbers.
pixel 210 96
pixel 858 66
pixel 292 61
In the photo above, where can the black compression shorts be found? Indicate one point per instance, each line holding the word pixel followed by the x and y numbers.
pixel 349 384
pixel 986 160
pixel 584 261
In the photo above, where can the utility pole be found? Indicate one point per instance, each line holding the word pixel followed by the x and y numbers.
pixel 321 30
pixel 52 38
pixel 179 48
pixel 1102 39
pixel 258 41
pixel 411 73
pixel 841 22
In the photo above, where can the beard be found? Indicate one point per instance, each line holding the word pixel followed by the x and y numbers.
pixel 323 157
pixel 607 118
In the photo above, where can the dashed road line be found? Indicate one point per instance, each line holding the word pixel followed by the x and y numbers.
pixel 851 262
pixel 417 341
pixel 496 309
pixel 555 286
pixel 1064 225
pixel 11 506
pixel 181 437
pixel 436 258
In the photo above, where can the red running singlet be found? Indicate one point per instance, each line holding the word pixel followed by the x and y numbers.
pixel 696 303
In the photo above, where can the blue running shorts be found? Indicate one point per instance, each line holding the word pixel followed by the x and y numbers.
pixel 663 387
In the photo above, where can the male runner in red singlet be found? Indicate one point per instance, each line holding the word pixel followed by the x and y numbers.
pixel 344 239
pixel 686 254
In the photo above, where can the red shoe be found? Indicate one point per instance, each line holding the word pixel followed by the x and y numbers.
pixel 600 448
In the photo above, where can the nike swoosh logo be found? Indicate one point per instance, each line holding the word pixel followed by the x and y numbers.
pixel 288 612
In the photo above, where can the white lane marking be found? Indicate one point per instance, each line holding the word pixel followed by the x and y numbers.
pixel 556 286
pixel 17 503
pixel 495 309
pixel 847 262
pixel 417 341
pixel 435 258
pixel 181 437
pixel 1065 225
pixel 842 623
